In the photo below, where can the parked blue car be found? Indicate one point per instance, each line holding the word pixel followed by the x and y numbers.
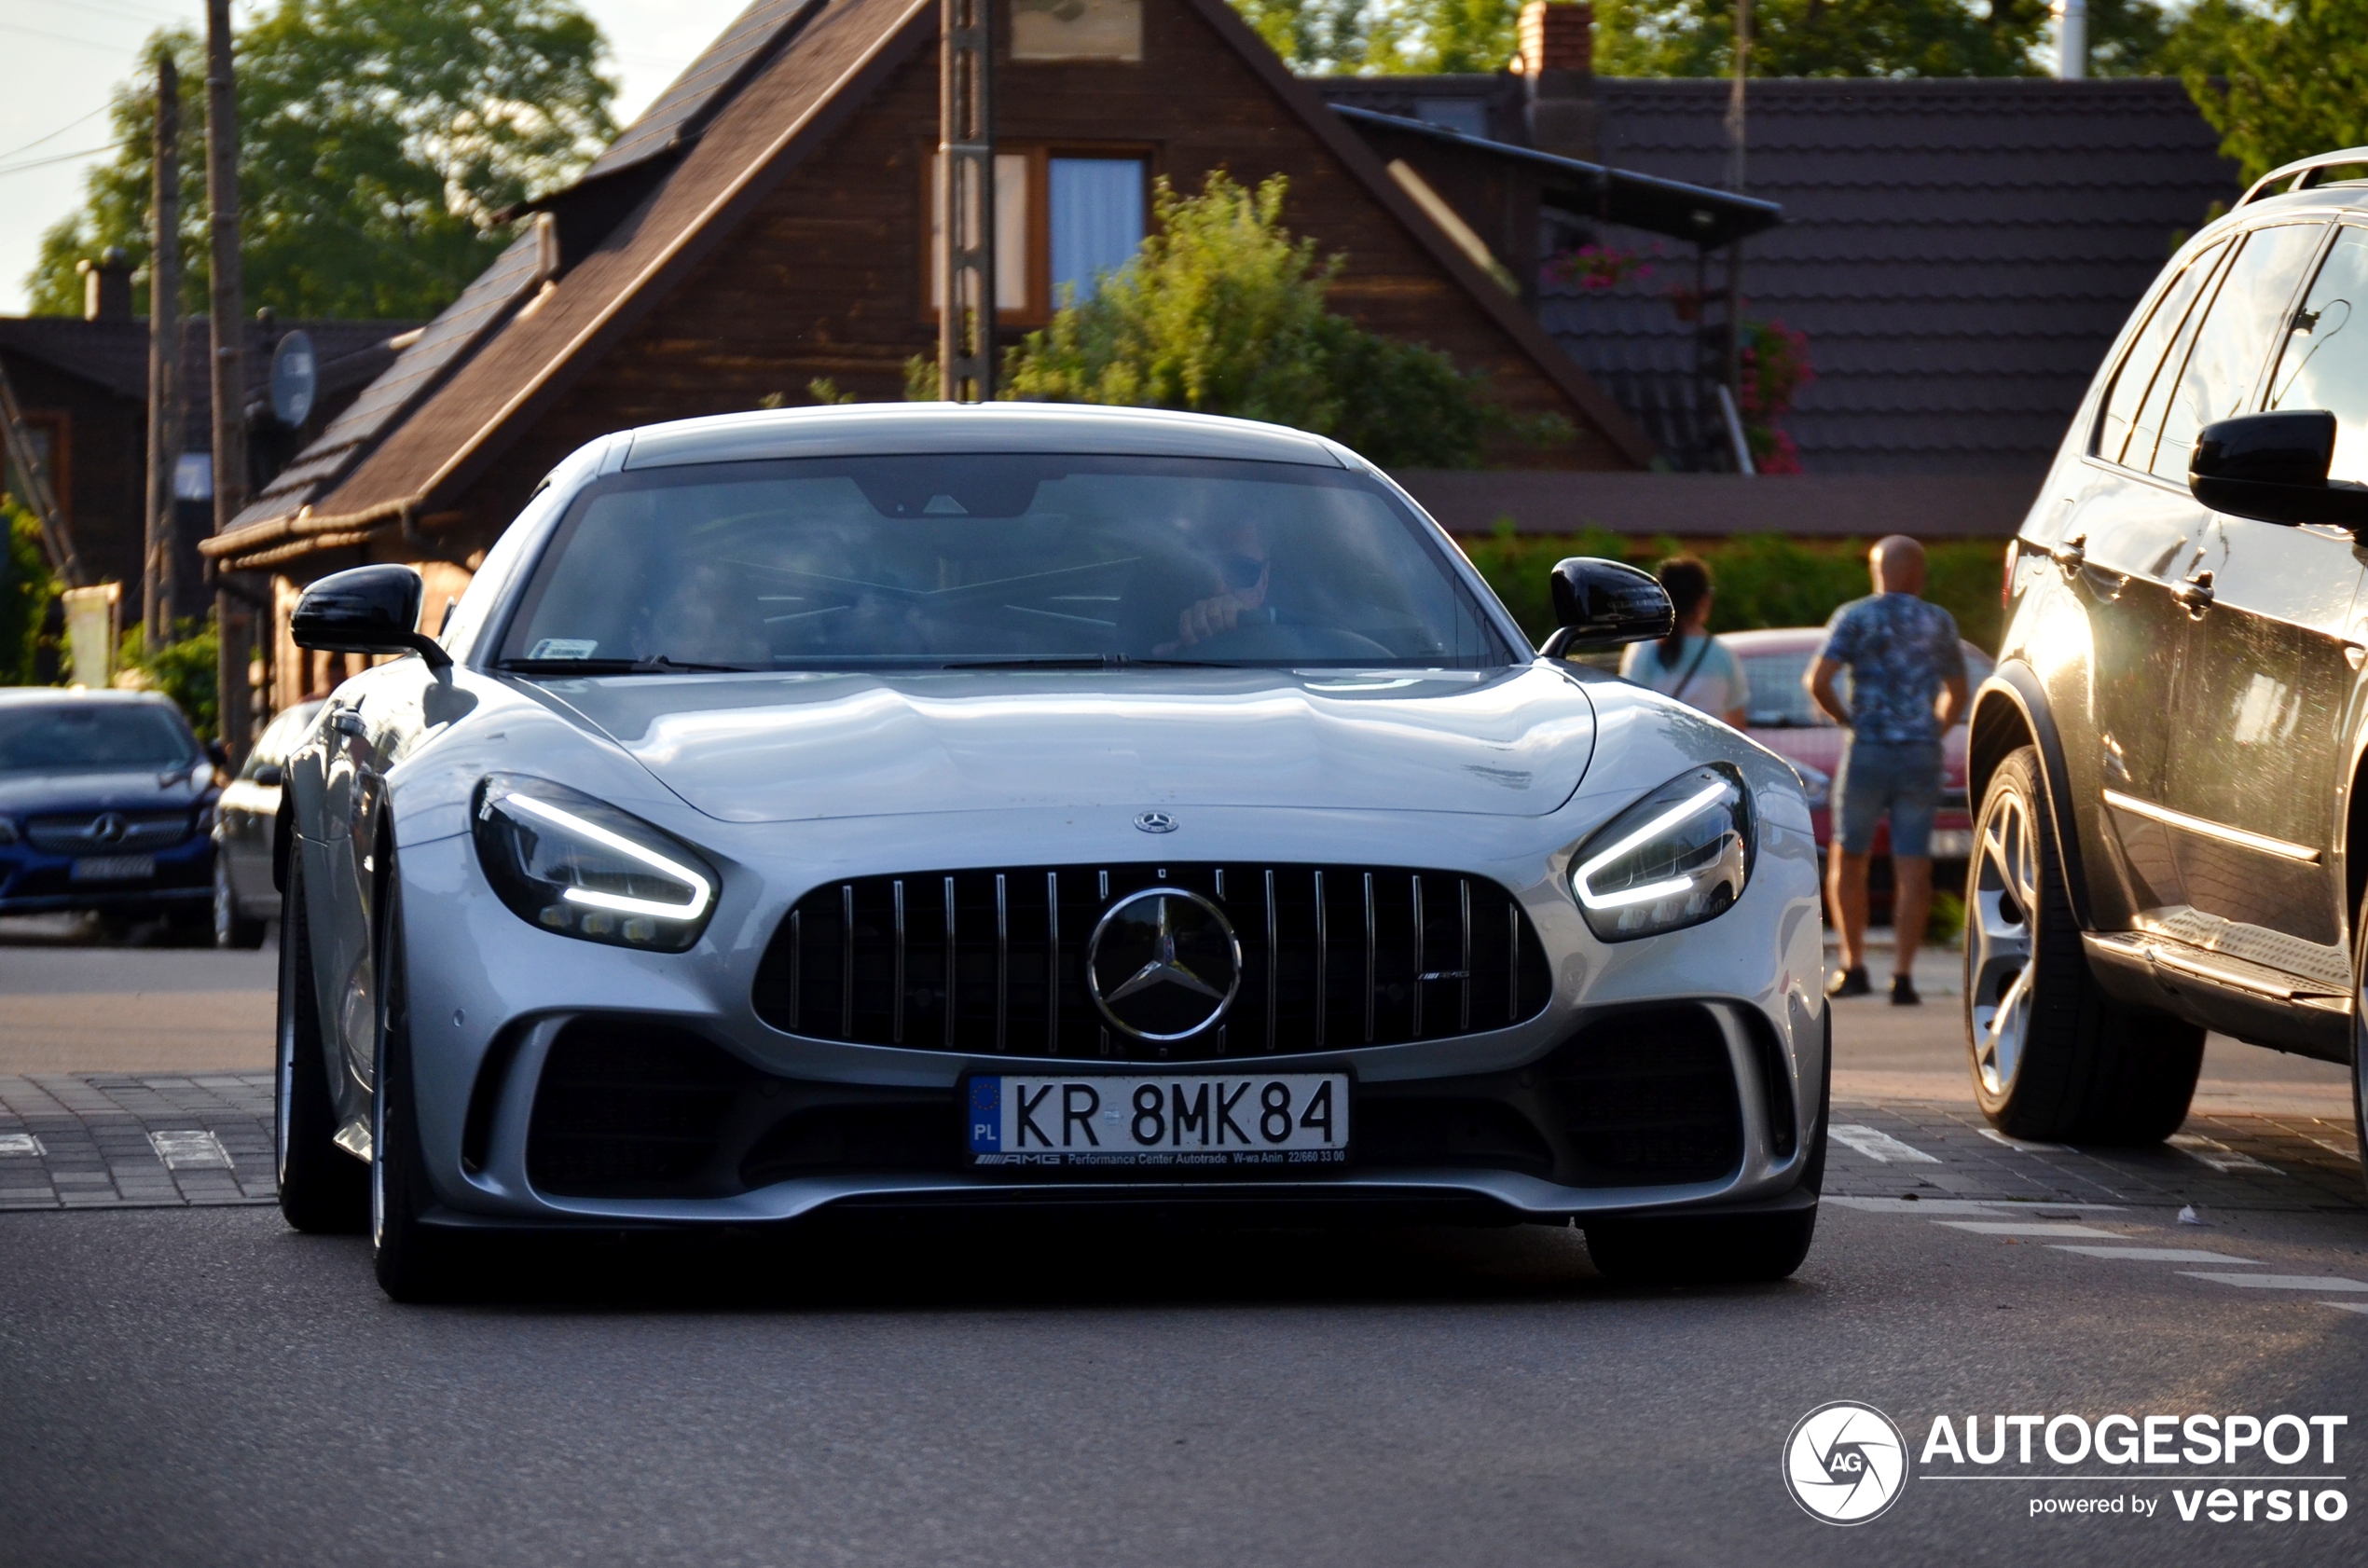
pixel 106 804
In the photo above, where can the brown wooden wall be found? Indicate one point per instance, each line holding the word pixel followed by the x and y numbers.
pixel 825 279
pixel 102 459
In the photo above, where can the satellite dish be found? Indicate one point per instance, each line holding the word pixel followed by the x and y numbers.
pixel 294 380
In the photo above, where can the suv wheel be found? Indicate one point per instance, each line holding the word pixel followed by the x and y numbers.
pixel 2360 1035
pixel 2054 1057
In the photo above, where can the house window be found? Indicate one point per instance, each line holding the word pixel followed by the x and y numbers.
pixel 1065 218
pixel 1076 30
pixel 1095 219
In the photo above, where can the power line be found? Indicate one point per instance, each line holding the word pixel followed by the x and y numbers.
pixel 59 131
pixel 59 157
pixel 117 49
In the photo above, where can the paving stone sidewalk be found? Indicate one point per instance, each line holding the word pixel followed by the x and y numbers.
pixel 120 1140
pixel 2290 1163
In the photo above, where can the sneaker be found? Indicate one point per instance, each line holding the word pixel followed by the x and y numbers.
pixel 1903 992
pixel 1851 982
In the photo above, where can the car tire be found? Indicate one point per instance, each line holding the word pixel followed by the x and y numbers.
pixel 2054 1057
pixel 231 929
pixel 1722 1250
pixel 2359 1039
pixel 323 1189
pixel 414 1261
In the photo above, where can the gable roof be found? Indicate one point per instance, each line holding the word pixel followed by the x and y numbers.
pixel 1960 252
pixel 769 92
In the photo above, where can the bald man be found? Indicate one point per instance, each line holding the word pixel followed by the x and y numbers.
pixel 1906 686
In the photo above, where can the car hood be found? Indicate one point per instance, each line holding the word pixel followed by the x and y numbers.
pixel 41 795
pixel 760 749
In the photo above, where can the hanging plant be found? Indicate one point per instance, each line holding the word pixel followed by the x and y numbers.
pixel 1597 268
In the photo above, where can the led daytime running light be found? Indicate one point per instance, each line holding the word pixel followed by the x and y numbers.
pixel 1691 807
pixel 701 892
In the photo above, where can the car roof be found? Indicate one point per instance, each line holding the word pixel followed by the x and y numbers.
pixel 59 696
pixel 867 428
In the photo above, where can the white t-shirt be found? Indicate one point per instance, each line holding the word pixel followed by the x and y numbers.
pixel 1715 684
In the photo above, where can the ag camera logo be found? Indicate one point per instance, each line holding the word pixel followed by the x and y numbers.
pixel 1845 1463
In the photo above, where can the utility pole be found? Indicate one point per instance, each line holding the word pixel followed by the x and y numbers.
pixel 229 364
pixel 966 202
pixel 164 362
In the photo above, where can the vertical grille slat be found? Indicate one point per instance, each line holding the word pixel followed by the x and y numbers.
pixel 851 961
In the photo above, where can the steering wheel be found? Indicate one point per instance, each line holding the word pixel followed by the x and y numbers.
pixel 1283 643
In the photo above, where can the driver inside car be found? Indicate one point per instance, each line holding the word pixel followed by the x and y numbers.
pixel 1232 555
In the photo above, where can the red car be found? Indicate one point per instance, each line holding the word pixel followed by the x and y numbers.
pixel 1781 717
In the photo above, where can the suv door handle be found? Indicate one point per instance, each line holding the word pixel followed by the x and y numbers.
pixel 2194 595
pixel 2072 554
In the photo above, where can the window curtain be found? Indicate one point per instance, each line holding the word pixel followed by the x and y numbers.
pixel 1096 212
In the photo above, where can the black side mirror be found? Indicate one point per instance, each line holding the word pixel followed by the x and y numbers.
pixel 268 776
pixel 1602 604
pixel 367 610
pixel 217 753
pixel 2272 468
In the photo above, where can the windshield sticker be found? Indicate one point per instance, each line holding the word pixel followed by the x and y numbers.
pixel 563 648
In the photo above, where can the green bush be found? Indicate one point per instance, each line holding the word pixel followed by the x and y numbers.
pixel 1222 311
pixel 1761 580
pixel 27 587
pixel 184 669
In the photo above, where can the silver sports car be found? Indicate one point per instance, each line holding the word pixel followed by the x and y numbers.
pixel 936 806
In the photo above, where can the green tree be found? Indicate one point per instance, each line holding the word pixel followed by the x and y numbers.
pixel 1822 38
pixel 2278 84
pixel 378 139
pixel 1386 36
pixel 187 669
pixel 27 586
pixel 1222 311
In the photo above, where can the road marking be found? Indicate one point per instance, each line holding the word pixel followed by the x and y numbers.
pixel 2347 1152
pixel 1995 1135
pixel 1984 1206
pixel 190 1151
pixel 2023 1228
pixel 2347 1306
pixel 21 1143
pixel 1879 1145
pixel 2153 1254
pixel 2218 1155
pixel 2280 1282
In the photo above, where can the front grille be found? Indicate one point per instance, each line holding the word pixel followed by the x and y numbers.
pixel 1649 1097
pixel 993 962
pixel 108 833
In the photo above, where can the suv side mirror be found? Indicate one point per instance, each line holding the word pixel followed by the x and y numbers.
pixel 2272 468
pixel 1602 604
pixel 268 776
pixel 367 610
pixel 217 753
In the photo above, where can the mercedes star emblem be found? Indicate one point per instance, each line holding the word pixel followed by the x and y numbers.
pixel 108 826
pixel 1164 964
pixel 1156 822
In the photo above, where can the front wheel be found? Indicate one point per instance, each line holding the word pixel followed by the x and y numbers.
pixel 2054 1057
pixel 2360 1039
pixel 321 1187
pixel 414 1261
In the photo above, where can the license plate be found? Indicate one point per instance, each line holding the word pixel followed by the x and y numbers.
pixel 113 867
pixel 1185 1121
pixel 1951 844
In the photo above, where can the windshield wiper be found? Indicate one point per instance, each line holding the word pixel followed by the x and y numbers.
pixel 1086 661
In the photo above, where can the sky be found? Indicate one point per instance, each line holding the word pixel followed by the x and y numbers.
pixel 65 57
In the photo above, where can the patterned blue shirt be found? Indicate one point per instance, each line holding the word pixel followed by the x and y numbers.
pixel 1900 650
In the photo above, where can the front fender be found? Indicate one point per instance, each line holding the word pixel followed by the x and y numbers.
pixel 2011 711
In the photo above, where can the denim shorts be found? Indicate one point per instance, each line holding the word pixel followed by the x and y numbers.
pixel 1901 777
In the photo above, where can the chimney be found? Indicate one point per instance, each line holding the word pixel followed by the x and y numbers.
pixel 106 286
pixel 2072 40
pixel 1557 65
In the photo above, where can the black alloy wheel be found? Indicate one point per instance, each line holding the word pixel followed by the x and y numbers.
pixel 2360 1038
pixel 323 1189
pixel 2054 1057
pixel 415 1261
pixel 1722 1249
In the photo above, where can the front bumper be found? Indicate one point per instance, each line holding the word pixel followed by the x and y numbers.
pixel 525 1043
pixel 33 883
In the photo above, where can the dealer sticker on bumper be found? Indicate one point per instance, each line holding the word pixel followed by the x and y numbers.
pixel 1177 1120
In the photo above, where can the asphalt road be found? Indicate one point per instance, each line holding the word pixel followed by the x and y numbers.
pixel 197 1384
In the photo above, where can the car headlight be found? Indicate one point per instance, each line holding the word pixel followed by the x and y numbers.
pixel 1815 783
pixel 1675 859
pixel 582 868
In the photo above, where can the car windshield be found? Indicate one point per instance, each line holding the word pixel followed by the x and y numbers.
pixel 995 560
pixel 1780 701
pixel 91 738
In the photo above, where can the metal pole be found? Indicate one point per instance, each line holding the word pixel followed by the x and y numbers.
pixel 965 210
pixel 164 360
pixel 2072 40
pixel 230 361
